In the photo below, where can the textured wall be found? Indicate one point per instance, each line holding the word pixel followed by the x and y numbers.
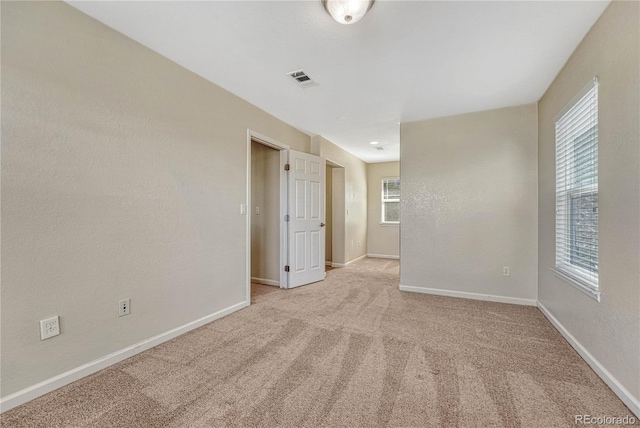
pixel 265 227
pixel 609 330
pixel 469 186
pixel 122 176
pixel 382 239
pixel 355 191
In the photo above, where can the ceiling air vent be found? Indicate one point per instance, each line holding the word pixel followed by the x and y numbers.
pixel 302 79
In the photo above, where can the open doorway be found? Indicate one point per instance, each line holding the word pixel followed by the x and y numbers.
pixel 328 217
pixel 335 202
pixel 285 199
pixel 265 209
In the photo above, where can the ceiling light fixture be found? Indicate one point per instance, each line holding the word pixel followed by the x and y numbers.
pixel 374 143
pixel 347 11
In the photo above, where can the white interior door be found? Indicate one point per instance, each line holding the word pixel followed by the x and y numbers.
pixel 306 218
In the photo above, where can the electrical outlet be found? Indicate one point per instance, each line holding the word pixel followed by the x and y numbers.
pixel 243 209
pixel 257 210
pixel 49 327
pixel 506 271
pixel 124 307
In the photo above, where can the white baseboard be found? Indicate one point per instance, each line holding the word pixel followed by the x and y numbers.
pixel 265 281
pixel 383 256
pixel 35 391
pixel 327 262
pixel 341 265
pixel 629 400
pixel 473 296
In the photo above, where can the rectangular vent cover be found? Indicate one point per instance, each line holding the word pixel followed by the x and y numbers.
pixel 302 79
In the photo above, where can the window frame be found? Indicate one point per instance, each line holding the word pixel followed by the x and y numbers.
pixel 585 280
pixel 383 201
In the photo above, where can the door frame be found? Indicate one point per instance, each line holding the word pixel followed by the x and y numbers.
pixel 338 214
pixel 284 156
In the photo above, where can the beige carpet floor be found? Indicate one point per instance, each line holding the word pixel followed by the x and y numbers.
pixel 260 290
pixel 352 351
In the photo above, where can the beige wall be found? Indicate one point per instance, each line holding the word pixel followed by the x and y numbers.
pixel 355 191
pixel 122 177
pixel 265 226
pixel 609 330
pixel 382 239
pixel 469 186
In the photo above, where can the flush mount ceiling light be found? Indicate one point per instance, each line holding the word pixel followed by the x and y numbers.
pixel 374 143
pixel 347 11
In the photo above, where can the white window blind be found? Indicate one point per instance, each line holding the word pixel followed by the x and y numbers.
pixel 577 190
pixel 391 200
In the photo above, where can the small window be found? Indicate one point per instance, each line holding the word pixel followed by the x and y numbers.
pixel 391 200
pixel 577 191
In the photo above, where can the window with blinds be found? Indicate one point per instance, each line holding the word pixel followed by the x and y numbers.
pixel 577 190
pixel 391 200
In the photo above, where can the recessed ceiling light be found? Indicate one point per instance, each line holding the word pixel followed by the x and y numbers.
pixel 374 143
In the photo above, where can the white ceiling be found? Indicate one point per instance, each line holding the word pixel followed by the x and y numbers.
pixel 405 61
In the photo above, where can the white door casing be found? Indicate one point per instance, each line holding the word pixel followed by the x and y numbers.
pixel 306 218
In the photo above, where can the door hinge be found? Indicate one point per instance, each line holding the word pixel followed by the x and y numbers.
pixel 286 217
pixel 286 268
pixel 286 167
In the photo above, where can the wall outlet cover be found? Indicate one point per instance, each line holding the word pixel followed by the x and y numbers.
pixel 124 307
pixel 49 327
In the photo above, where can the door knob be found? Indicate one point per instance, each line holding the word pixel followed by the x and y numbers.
pixel 322 225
